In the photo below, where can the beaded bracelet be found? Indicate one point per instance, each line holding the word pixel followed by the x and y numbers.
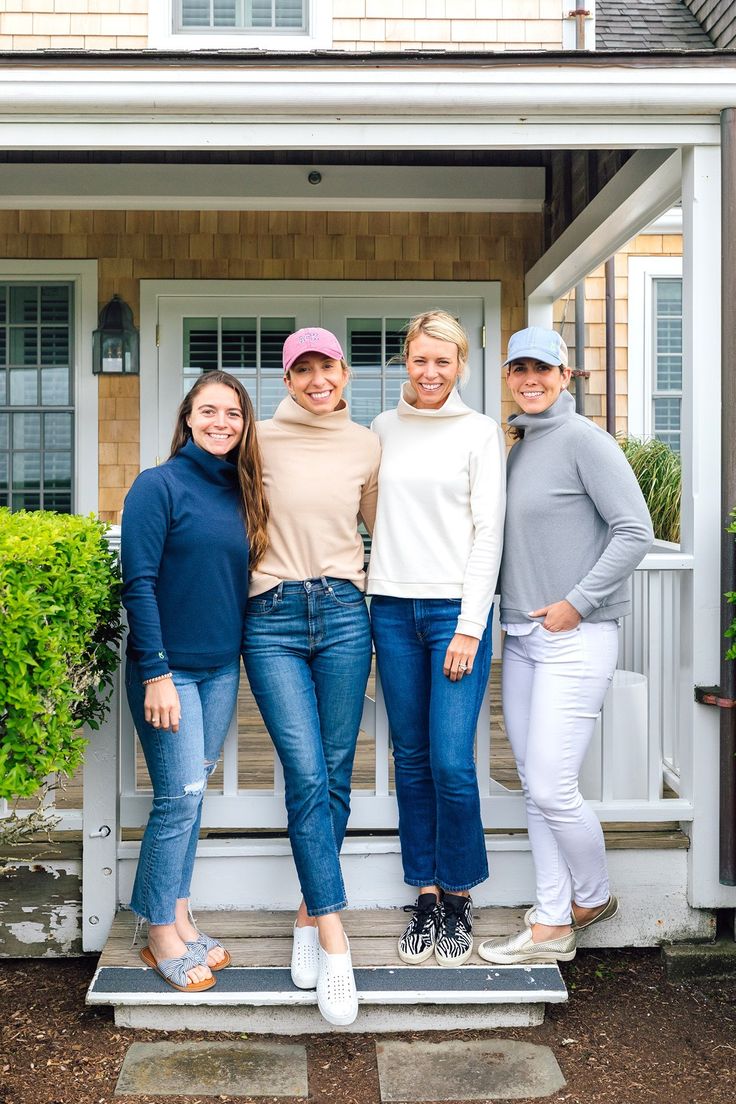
pixel 157 678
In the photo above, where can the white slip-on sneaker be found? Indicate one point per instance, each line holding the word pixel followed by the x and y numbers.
pixel 337 998
pixel 520 948
pixel 304 957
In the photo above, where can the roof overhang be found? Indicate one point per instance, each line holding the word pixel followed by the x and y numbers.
pixel 336 106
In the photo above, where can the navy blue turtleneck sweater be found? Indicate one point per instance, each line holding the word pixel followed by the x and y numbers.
pixel 185 564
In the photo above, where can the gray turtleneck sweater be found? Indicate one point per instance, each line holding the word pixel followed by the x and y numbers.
pixel 576 521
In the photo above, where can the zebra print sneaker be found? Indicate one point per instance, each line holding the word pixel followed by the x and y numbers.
pixel 455 938
pixel 417 943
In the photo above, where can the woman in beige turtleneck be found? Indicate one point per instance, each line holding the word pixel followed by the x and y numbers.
pixel 307 640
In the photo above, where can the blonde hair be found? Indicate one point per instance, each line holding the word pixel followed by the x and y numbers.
pixel 444 327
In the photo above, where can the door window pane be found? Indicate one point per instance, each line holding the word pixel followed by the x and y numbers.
pixel 249 348
pixel 36 413
pixel 375 356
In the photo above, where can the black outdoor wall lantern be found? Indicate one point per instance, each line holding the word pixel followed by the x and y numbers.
pixel 116 341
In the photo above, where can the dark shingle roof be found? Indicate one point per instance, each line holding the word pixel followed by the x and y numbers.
pixel 648 25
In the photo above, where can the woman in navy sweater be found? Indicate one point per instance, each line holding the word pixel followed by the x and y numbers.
pixel 191 529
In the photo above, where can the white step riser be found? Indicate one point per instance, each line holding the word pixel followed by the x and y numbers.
pixel 303 1021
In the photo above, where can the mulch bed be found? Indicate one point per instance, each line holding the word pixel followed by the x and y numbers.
pixel 625 1037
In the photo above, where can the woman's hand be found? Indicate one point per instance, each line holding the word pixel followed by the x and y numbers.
pixel 460 656
pixel 558 617
pixel 161 705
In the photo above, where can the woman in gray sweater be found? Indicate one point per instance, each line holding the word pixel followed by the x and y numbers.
pixel 576 528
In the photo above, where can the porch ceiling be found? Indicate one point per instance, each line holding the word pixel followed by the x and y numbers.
pixel 271 187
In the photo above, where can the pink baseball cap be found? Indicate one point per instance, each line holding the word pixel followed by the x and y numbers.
pixel 312 339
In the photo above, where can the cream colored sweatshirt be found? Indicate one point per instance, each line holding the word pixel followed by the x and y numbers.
pixel 320 472
pixel 441 502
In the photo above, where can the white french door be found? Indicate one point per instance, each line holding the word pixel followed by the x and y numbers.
pixel 191 327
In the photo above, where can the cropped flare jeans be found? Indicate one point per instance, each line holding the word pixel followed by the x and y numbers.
pixel 307 653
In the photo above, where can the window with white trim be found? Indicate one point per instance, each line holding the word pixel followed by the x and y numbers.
pixel 655 372
pixel 36 396
pixel 48 393
pixel 241 15
pixel 294 25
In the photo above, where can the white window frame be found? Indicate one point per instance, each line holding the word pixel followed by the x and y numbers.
pixel 317 36
pixel 643 271
pixel 83 275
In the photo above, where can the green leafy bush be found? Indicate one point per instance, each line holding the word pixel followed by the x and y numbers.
pixel 731 597
pixel 59 623
pixel 658 470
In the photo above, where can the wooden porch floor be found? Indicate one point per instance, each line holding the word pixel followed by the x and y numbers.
pixel 259 938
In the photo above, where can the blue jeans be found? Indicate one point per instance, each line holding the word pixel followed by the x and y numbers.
pixel 307 652
pixel 179 764
pixel 433 723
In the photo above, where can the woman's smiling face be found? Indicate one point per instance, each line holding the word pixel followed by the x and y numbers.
pixel 317 382
pixel 534 385
pixel 216 420
pixel 433 367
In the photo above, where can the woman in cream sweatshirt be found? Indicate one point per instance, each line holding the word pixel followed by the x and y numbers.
pixel 434 561
pixel 307 641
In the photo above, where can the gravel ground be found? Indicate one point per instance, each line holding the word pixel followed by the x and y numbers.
pixel 626 1036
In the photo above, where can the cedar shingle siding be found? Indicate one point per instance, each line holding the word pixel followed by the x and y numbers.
pixel 650 25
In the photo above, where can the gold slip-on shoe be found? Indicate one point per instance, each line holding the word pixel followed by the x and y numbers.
pixel 520 948
pixel 607 913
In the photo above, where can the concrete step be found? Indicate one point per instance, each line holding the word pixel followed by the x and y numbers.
pixel 255 994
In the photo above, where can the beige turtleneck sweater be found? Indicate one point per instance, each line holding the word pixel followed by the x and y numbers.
pixel 320 472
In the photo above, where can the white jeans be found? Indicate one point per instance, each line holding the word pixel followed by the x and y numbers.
pixel 553 690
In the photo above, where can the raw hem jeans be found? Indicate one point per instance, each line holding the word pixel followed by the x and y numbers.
pixel 307 652
pixel 179 764
pixel 433 723
pixel 553 690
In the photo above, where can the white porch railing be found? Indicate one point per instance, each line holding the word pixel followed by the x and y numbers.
pixel 651 645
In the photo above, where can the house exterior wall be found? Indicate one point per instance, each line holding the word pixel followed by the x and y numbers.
pixel 653 245
pixel 356 25
pixel 74 24
pixel 259 245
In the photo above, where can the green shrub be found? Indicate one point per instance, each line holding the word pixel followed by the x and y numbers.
pixel 658 470
pixel 731 597
pixel 59 623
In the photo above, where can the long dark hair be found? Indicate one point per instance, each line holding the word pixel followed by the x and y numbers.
pixel 247 458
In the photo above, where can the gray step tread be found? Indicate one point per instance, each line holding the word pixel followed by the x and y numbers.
pixel 535 983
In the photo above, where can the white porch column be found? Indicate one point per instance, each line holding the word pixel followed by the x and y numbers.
pixel 701 200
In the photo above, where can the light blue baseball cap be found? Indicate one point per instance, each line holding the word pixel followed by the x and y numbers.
pixel 537 343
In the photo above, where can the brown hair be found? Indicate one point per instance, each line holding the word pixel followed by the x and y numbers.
pixel 247 457
pixel 444 327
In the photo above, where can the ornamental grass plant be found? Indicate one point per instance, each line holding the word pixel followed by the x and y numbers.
pixel 59 626
pixel 658 469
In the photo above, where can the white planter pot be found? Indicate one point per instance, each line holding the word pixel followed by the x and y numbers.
pixel 615 765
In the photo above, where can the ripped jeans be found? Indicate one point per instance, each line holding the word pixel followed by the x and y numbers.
pixel 179 764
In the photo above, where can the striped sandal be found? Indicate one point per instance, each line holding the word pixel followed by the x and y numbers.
pixel 174 971
pixel 202 946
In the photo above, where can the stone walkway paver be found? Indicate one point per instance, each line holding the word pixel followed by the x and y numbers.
pixel 480 1070
pixel 238 1068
